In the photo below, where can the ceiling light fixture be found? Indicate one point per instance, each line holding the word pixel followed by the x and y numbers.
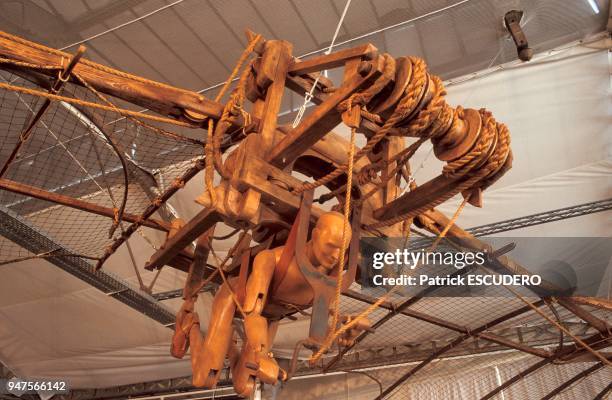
pixel 594 6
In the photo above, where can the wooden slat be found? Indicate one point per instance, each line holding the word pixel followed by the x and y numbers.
pixel 319 122
pixel 333 60
pixel 31 191
pixel 187 234
pixel 598 302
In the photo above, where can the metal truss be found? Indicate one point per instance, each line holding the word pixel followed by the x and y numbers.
pixel 21 232
pixel 542 218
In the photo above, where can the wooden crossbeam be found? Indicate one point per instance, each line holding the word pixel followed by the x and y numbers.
pixel 333 60
pixel 321 120
pixel 31 191
pixel 199 224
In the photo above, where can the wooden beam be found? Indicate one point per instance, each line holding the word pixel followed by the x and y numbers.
pixel 320 121
pixel 422 195
pixel 156 96
pixel 333 60
pixel 598 302
pixel 275 60
pixel 31 191
pixel 571 381
pixel 199 224
pixel 254 174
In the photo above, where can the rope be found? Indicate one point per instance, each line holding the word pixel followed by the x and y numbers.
pixel 463 165
pixel 347 211
pixel 492 165
pixel 220 264
pixel 209 148
pixel 28 65
pixel 310 94
pixel 46 254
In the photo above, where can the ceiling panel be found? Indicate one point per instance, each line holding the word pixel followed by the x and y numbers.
pixel 195 43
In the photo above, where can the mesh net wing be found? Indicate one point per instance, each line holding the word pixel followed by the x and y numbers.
pixel 68 153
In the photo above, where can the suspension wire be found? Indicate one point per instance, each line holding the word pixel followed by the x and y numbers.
pixel 408 21
pixel 310 94
pixel 130 22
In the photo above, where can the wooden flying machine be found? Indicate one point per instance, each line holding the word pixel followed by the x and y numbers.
pixel 385 99
pixel 262 191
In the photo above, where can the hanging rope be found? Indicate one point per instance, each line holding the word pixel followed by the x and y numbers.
pixel 347 211
pixel 221 264
pixel 47 254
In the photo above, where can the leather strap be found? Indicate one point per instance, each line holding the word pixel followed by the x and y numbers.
pixel 286 256
pixel 243 275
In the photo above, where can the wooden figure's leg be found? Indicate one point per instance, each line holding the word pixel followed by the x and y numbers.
pixel 207 357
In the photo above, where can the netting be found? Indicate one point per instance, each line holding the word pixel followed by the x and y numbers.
pixel 464 347
pixel 72 151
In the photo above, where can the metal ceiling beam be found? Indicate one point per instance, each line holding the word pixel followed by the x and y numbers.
pixel 17 229
pixel 542 218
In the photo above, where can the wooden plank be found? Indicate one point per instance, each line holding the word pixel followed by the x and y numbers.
pixel 187 234
pixel 156 96
pixel 276 59
pixel 422 195
pixel 31 191
pixel 333 60
pixel 301 85
pixel 319 122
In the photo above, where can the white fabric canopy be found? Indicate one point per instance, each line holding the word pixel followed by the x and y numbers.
pixel 559 114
